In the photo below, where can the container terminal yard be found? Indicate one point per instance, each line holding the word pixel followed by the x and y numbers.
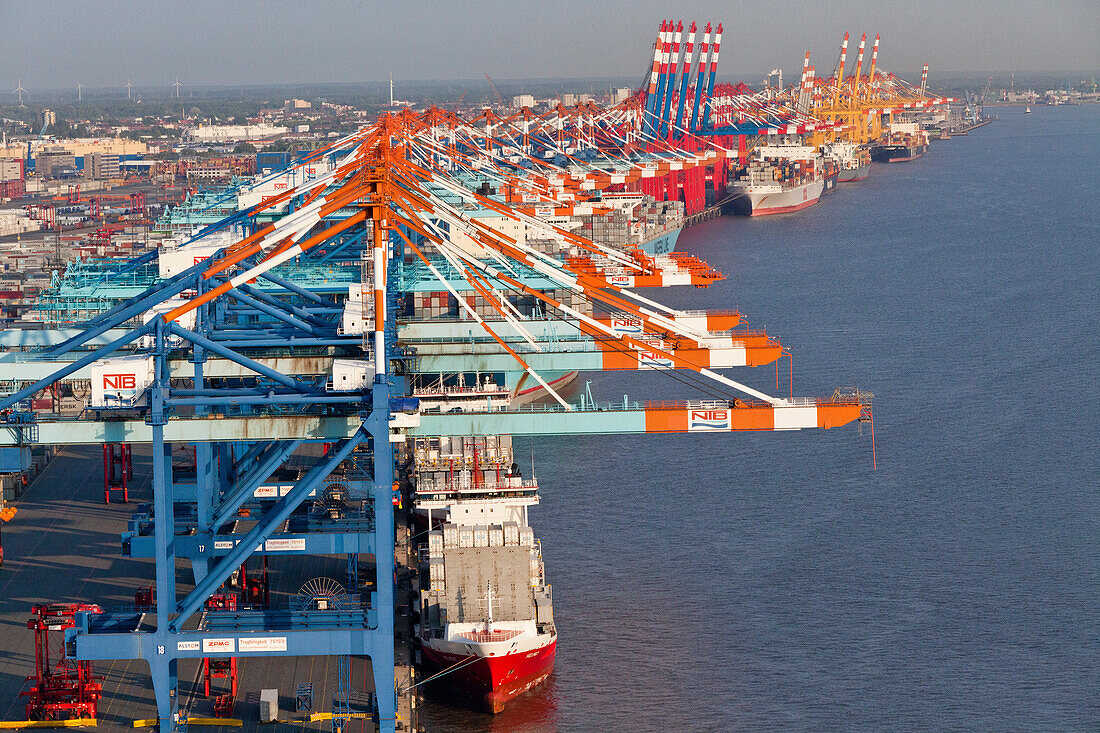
pixel 257 460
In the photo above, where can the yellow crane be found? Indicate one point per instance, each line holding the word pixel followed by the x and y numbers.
pixel 859 104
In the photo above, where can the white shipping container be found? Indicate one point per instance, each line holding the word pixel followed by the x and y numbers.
pixel 435 543
pixel 496 536
pixel 269 705
pixel 527 537
pixel 121 381
pixel 481 536
pixel 466 537
pixel 436 569
pixel 511 533
pixel 450 535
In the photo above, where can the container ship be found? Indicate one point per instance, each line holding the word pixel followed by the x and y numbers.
pixel 637 221
pixel 905 141
pixel 486 631
pixel 853 160
pixel 778 179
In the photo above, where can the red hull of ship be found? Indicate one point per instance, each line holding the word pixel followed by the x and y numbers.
pixel 491 682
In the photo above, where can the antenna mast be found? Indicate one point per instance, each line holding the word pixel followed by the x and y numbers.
pixel 489 597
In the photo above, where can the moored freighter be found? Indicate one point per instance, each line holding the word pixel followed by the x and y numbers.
pixel 904 142
pixel 854 160
pixel 487 624
pixel 778 179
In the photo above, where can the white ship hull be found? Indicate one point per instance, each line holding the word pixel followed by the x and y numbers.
pixel 775 199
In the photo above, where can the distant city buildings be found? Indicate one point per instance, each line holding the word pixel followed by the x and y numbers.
pixel 55 162
pixel 215 169
pixel 572 100
pixel 11 169
pixel 228 133
pixel 567 99
pixel 1018 97
pixel 79 147
pixel 1050 96
pixel 11 178
pixel 296 106
pixel 100 166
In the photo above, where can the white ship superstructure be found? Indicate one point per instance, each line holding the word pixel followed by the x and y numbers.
pixel 854 160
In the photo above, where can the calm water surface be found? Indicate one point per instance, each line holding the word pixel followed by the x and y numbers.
pixel 774 581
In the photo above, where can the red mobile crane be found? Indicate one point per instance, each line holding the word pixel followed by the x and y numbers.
pixel 221 668
pixel 66 689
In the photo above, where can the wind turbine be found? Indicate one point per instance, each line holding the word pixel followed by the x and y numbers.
pixel 19 90
pixel 177 85
pixel 129 86
pixel 79 92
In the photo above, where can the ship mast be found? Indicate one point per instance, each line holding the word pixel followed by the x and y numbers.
pixel 489 601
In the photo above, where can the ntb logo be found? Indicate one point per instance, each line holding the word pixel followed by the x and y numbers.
pixel 653 360
pixel 119 381
pixel 708 420
pixel 626 325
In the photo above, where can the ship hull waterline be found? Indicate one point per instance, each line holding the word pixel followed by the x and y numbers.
pixel 896 153
pixel 489 682
pixel 780 202
pixel 851 175
pixel 662 244
pixel 532 391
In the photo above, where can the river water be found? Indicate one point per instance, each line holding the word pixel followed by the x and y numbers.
pixel 775 581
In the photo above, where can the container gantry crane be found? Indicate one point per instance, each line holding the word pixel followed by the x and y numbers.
pixel 231 349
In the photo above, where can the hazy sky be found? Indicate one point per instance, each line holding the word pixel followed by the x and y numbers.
pixel 51 44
